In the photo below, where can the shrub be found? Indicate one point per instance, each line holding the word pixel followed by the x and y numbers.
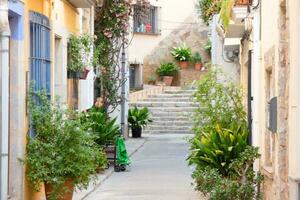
pixel 167 69
pixel 104 130
pixel 223 160
pixel 182 53
pixel 60 150
pixel 208 47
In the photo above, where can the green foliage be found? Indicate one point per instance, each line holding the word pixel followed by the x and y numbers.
pixel 223 161
pixel 217 147
pixel 97 121
pixel 197 57
pixel 208 8
pixel 207 46
pixel 221 102
pixel 167 69
pixel 182 53
pixel 239 185
pixel 60 150
pixel 225 12
pixel 79 50
pixel 138 118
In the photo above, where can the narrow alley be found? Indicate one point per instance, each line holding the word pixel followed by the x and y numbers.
pixel 158 171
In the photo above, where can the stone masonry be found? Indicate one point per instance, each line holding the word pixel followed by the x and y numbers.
pixel 195 34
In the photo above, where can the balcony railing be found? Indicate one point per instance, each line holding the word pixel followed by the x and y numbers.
pixel 243 2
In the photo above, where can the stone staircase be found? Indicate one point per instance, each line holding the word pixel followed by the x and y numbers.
pixel 171 111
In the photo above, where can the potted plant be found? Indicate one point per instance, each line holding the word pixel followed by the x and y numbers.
pixel 152 79
pixel 167 71
pixel 197 61
pixel 183 55
pixel 138 119
pixel 60 155
pixel 79 56
pixel 207 47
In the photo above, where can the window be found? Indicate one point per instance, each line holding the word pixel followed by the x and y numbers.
pixel 40 73
pixel 145 20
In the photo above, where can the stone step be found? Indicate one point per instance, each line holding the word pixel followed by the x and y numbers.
pixel 171 118
pixel 170 96
pixel 159 99
pixel 166 114
pixel 168 128
pixel 164 104
pixel 172 109
pixel 167 132
pixel 179 91
pixel 172 123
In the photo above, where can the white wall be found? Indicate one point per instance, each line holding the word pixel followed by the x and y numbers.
pixel 171 16
pixel 218 59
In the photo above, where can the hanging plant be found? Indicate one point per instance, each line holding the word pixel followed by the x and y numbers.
pixel 79 53
pixel 208 8
pixel 225 12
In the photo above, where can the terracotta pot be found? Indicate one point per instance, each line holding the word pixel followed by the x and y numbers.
pixel 136 132
pixel 184 64
pixel 67 190
pixel 168 80
pixel 198 66
pixel 83 75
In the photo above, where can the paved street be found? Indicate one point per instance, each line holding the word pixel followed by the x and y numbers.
pixel 158 172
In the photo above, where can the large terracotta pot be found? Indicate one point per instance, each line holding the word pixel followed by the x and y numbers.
pixel 136 132
pixel 67 190
pixel 198 66
pixel 168 80
pixel 184 64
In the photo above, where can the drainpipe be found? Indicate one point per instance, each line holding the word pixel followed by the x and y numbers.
pixel 4 95
pixel 123 90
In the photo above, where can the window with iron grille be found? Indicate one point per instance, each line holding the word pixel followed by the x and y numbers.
pixel 40 73
pixel 145 20
pixel 40 70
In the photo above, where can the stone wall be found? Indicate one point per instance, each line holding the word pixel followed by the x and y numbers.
pixel 195 34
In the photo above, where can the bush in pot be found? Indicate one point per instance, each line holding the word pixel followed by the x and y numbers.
pixel 182 54
pixel 61 154
pixel 197 61
pixel 167 71
pixel 138 119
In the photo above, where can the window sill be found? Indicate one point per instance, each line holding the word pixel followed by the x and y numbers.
pixel 144 33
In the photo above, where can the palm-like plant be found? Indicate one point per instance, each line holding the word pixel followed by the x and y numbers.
pixel 219 146
pixel 139 118
pixel 104 129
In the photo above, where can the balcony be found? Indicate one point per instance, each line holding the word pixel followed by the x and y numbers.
pixel 82 3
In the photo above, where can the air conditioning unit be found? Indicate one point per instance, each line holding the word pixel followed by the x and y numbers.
pixel 232 44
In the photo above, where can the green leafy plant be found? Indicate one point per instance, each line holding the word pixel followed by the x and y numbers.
pixel 182 53
pixel 167 69
pixel 139 118
pixel 221 102
pixel 219 146
pixel 60 149
pixel 223 161
pixel 208 8
pixel 225 12
pixel 241 184
pixel 79 52
pixel 197 57
pixel 208 47
pixel 97 121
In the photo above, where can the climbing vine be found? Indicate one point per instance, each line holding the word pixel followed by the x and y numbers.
pixel 112 30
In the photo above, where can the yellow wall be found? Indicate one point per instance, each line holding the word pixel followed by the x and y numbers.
pixel 62 12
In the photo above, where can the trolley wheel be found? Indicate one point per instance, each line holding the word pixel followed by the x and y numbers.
pixel 117 168
pixel 123 168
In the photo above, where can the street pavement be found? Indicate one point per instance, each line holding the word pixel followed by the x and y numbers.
pixel 158 171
